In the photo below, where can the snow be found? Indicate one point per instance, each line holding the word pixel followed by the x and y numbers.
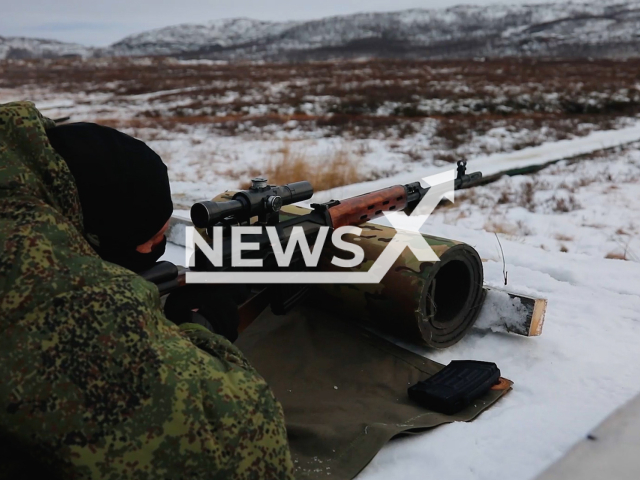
pixel 202 161
pixel 585 364
pixel 500 312
pixel 589 208
pixel 492 164
pixel 559 28
pixel 22 47
pixel 587 361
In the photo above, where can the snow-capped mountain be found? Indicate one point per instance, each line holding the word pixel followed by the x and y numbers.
pixel 562 29
pixel 217 34
pixel 21 47
pixel 593 28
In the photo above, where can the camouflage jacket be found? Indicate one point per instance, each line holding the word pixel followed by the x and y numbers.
pixel 94 381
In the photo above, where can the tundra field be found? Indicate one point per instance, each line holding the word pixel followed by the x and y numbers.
pixel 568 233
pixel 217 124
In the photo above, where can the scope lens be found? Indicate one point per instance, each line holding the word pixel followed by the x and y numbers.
pixel 200 215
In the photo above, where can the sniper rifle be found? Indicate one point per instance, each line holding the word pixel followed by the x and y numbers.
pixel 261 206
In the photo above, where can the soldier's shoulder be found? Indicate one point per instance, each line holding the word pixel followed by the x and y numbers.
pixel 23 114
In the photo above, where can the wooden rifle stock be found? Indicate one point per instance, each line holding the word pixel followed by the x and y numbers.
pixel 364 208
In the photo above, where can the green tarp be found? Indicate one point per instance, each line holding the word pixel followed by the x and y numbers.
pixel 343 389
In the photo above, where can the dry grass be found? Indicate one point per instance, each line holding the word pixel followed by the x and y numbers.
pixel 500 227
pixel 616 256
pixel 357 87
pixel 563 238
pixel 356 99
pixel 527 195
pixel 564 205
pixel 338 168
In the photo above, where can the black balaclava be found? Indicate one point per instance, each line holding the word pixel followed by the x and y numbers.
pixel 123 187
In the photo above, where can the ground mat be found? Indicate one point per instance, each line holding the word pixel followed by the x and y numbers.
pixel 343 389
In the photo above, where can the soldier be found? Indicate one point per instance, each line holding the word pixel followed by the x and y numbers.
pixel 123 189
pixel 96 382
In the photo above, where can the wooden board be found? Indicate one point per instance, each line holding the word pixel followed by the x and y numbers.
pixel 531 314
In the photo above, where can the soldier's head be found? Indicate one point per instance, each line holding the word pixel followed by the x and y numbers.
pixel 124 192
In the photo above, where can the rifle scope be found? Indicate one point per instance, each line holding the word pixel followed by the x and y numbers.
pixel 260 199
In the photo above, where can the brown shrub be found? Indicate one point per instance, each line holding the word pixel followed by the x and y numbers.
pixel 466 98
pixel 564 205
pixel 339 168
pixel 500 227
pixel 449 157
pixel 504 198
pixel 563 238
pixel 527 194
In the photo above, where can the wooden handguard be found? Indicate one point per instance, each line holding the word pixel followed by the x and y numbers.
pixel 363 208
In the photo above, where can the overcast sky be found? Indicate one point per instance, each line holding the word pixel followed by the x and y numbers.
pixel 101 22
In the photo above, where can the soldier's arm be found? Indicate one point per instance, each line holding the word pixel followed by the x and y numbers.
pixel 94 379
pixel 103 382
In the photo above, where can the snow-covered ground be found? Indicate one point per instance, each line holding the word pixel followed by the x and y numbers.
pixel 565 232
pixel 587 361
pixel 202 161
pixel 556 229
pixel 585 365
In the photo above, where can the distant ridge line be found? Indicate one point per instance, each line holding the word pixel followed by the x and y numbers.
pixel 598 29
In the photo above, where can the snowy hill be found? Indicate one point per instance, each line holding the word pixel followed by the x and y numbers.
pixel 603 28
pixel 608 28
pixel 214 35
pixel 21 47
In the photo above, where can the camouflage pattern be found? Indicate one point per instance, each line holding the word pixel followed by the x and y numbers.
pixel 96 383
pixel 432 303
